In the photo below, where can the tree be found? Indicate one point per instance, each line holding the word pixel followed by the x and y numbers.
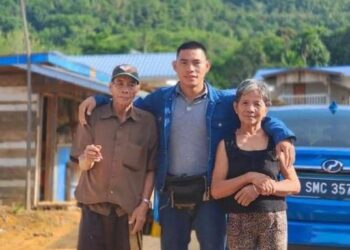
pixel 338 43
pixel 311 49
pixel 243 62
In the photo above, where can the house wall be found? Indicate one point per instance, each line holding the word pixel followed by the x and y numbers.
pixel 13 136
pixel 315 84
pixel 54 110
pixel 60 117
pixel 340 94
pixel 310 89
pixel 301 77
pixel 316 88
pixel 320 87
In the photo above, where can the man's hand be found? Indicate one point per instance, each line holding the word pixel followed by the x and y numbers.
pixel 93 152
pixel 285 152
pixel 246 195
pixel 86 107
pixel 138 217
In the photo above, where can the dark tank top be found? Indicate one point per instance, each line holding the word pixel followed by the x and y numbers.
pixel 262 161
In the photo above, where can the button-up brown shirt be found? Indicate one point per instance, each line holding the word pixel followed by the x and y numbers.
pixel 128 151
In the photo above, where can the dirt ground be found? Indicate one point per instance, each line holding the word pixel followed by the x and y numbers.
pixel 48 229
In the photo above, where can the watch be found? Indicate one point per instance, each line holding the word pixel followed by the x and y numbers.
pixel 147 201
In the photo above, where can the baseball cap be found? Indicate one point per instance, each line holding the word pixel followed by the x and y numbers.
pixel 125 70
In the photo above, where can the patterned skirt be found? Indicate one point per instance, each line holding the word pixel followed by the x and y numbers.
pixel 263 231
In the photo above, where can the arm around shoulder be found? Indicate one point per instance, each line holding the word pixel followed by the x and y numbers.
pixel 277 129
pixel 88 105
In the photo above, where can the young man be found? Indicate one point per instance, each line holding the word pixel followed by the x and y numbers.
pixel 192 118
pixel 116 151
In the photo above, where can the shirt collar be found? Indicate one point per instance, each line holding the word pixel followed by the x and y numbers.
pixel 109 112
pixel 200 96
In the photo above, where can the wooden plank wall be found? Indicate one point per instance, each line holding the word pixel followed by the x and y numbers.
pixel 13 125
pixel 13 134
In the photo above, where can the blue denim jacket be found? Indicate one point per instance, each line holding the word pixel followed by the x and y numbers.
pixel 221 121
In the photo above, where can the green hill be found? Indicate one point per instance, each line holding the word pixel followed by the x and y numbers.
pixel 242 35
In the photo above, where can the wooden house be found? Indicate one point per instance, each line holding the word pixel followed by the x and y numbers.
pixel 320 85
pixel 59 84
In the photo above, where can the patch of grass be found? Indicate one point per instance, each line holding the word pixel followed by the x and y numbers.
pixel 17 208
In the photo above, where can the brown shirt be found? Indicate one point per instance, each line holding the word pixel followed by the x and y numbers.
pixel 128 151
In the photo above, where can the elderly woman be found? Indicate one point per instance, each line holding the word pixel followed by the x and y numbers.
pixel 247 176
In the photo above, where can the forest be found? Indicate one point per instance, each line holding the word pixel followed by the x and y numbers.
pixel 241 35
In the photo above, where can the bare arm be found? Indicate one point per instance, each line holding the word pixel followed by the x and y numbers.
pixel 290 184
pixel 222 187
pixel 138 216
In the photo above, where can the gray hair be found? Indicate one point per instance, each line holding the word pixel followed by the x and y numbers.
pixel 253 84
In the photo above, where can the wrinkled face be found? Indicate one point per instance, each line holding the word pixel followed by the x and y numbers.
pixel 250 108
pixel 123 90
pixel 191 67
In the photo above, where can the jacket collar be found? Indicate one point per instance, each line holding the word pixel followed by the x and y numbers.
pixel 211 92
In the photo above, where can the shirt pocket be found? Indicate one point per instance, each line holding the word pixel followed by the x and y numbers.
pixel 134 157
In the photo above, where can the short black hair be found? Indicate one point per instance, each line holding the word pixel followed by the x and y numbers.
pixel 191 45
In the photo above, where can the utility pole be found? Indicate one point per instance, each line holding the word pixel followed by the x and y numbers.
pixel 29 106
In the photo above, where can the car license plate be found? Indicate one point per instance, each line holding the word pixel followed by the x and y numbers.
pixel 338 189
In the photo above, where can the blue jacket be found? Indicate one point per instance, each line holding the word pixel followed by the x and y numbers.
pixel 221 121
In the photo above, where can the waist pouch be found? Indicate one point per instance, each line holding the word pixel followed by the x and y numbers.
pixel 186 192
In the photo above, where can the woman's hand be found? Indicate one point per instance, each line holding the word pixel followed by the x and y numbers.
pixel 246 195
pixel 267 187
pixel 263 183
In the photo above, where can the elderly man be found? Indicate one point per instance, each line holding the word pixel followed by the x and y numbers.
pixel 116 151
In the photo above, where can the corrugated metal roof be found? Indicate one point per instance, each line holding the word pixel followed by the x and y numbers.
pixel 57 59
pixel 344 70
pixel 259 75
pixel 93 71
pixel 150 65
pixel 67 76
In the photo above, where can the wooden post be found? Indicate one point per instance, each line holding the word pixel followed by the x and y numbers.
pixel 29 106
pixel 38 153
pixel 50 144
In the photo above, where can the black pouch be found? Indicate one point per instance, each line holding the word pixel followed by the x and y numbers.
pixel 186 192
